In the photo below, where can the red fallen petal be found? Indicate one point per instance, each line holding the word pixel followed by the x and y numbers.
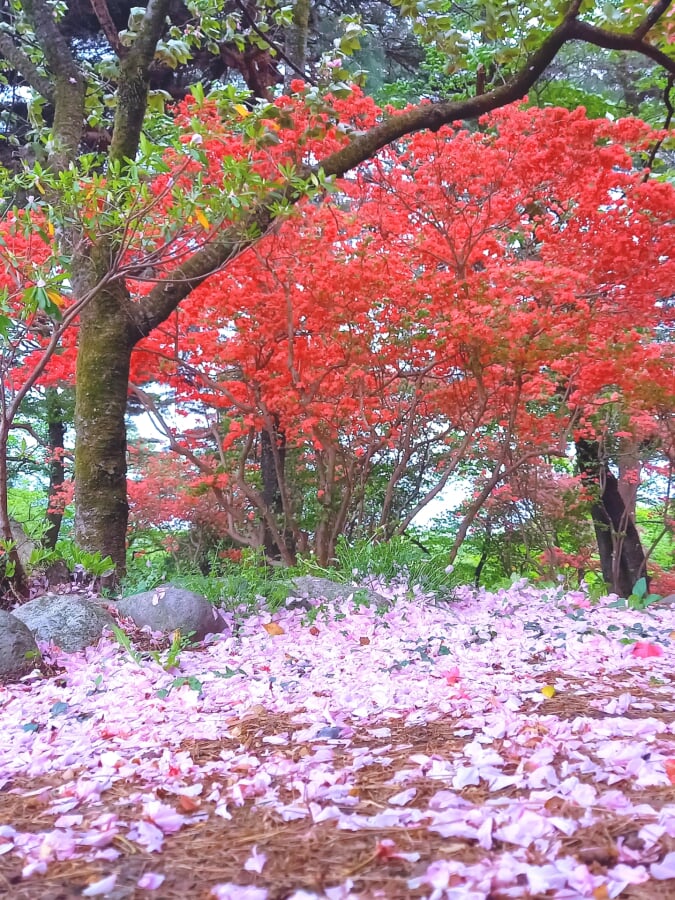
pixel 643 649
pixel 452 676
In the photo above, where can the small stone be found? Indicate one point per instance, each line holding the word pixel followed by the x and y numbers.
pixel 331 732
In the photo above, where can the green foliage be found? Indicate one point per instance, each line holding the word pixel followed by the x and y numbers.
pixel 168 659
pixel 190 680
pixel 124 641
pixel 29 507
pixel 402 557
pixel 171 658
pixel 640 598
pixel 227 583
pixel 145 570
pixel 92 563
pixel 558 92
pixel 596 586
pixel 7 565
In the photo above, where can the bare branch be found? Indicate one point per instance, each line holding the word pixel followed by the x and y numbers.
pixel 16 57
pixel 100 7
pixel 650 20
pixel 611 40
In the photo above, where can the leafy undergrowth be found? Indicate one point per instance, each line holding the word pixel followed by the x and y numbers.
pixel 517 744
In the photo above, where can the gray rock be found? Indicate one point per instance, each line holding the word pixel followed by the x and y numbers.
pixel 16 640
pixel 169 608
pixel 310 587
pixel 665 601
pixel 24 545
pixel 56 573
pixel 69 622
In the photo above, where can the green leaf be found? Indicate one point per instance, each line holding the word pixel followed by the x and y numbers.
pixel 640 588
pixel 229 673
pixel 197 91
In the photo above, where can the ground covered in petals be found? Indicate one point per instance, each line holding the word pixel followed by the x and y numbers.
pixel 515 744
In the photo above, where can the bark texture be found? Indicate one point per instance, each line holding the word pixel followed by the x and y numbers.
pixel 273 455
pixel 622 557
pixel 56 432
pixel 296 41
pixel 100 452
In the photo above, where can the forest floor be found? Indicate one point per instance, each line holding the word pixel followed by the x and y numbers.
pixel 510 744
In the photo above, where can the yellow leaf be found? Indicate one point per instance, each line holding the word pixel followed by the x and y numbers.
pixel 201 218
pixel 548 691
pixel 273 628
pixel 601 892
pixel 50 229
pixel 55 297
pixel 241 109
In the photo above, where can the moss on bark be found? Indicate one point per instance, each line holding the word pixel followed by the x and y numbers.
pixel 100 452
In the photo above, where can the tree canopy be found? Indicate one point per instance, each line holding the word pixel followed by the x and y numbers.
pixel 136 206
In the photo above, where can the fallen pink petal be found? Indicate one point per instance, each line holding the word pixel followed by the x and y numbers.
pixel 324 767
pixel 151 881
pixel 100 888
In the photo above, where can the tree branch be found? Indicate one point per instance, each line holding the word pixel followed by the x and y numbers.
pixel 132 99
pixel 611 40
pixel 167 294
pixel 105 20
pixel 650 20
pixel 69 87
pixel 25 67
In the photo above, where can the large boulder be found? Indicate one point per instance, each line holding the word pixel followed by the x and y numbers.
pixel 169 608
pixel 19 653
pixel 69 622
pixel 310 587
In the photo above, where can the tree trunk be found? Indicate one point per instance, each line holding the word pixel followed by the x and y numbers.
pixel 16 579
pixel 622 557
pixel 629 465
pixel 484 556
pixel 271 492
pixel 102 380
pixel 56 430
pixel 273 471
pixel 296 42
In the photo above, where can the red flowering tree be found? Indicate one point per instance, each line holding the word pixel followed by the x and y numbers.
pixel 468 295
pixel 107 233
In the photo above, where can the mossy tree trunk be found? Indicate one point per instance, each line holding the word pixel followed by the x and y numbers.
pixel 108 332
pixel 12 574
pixel 100 451
pixel 296 41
